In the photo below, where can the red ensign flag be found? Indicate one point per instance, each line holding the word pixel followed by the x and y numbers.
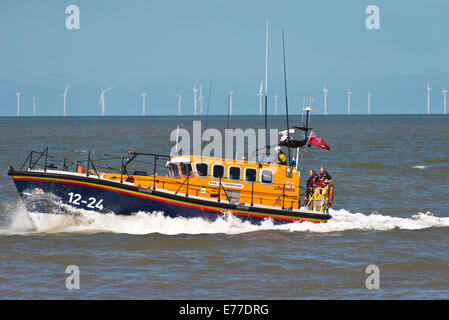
pixel 314 139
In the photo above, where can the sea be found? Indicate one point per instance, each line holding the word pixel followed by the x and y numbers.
pixel 388 237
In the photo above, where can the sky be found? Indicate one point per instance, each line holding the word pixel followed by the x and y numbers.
pixel 162 47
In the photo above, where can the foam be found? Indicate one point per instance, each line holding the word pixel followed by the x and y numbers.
pixel 82 221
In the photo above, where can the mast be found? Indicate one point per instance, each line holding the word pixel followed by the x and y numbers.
pixel 285 88
pixel 266 88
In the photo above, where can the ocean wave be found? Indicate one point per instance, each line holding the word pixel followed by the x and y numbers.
pixel 82 221
pixel 420 167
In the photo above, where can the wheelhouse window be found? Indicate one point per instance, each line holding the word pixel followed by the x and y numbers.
pixel 218 171
pixel 266 176
pixel 202 169
pixel 173 170
pixel 250 175
pixel 234 173
pixel 186 169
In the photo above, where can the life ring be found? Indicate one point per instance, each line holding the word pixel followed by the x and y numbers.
pixel 331 195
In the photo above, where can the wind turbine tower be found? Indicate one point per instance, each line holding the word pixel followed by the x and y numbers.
pixel 102 101
pixel 144 96
pixel 200 99
pixel 260 94
pixel 195 90
pixel 428 89
pixel 444 101
pixel 325 99
pixel 18 94
pixel 65 98
pixel 230 93
pixel 179 96
pixel 34 105
pixel 369 94
pixel 349 92
pixel 276 96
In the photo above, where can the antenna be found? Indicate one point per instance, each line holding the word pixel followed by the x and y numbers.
pixel 102 100
pixel 285 87
pixel 349 92
pixel 18 94
pixel 195 90
pixel 144 94
pixel 325 99
pixel 207 113
pixel 266 88
pixel 428 97
pixel 444 101
pixel 65 98
pixel 369 94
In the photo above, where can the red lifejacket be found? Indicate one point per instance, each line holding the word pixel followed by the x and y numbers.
pixel 313 182
pixel 324 176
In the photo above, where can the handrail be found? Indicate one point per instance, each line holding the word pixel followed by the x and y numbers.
pixel 321 201
pixel 248 194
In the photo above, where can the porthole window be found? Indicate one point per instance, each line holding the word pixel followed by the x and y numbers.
pixel 250 175
pixel 266 176
pixel 202 169
pixel 234 173
pixel 218 171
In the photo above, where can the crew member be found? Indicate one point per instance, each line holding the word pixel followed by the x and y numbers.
pixel 282 159
pixel 312 184
pixel 325 182
pixel 325 178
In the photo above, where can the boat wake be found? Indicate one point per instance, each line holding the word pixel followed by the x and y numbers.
pixel 82 221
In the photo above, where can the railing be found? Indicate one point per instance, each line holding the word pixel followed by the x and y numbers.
pixel 32 161
pixel 319 201
pixel 247 196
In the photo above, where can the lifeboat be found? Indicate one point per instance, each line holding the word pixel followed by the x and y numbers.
pixel 178 186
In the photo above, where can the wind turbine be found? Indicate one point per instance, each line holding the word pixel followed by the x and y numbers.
pixel 65 98
pixel 349 92
pixel 195 90
pixel 230 93
pixel 444 101
pixel 428 89
pixel 369 94
pixel 18 94
pixel 260 94
pixel 144 95
pixel 34 105
pixel 325 98
pixel 102 101
pixel 276 96
pixel 179 96
pixel 200 99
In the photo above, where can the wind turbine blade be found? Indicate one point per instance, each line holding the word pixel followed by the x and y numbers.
pixel 261 86
pixel 67 88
